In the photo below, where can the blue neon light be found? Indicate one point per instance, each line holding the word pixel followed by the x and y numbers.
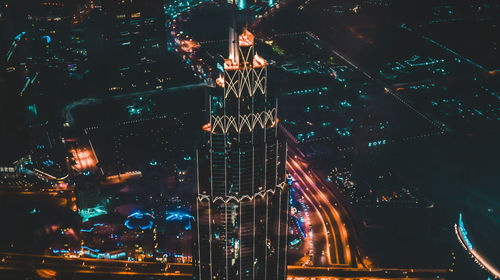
pixel 242 4
pixel 301 231
pixel 464 231
pixel 47 39
pixel 19 36
pixel 139 216
pixel 295 241
pixel 179 216
pixel 105 255
pixel 90 249
pixel 92 228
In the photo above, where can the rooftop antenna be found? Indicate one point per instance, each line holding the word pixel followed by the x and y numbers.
pixel 233 37
pixel 247 12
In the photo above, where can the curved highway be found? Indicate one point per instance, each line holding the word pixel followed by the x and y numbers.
pixel 461 233
pixel 334 247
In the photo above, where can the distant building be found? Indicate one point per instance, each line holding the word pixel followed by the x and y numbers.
pixel 7 172
pixel 89 199
pixel 242 202
pixel 136 40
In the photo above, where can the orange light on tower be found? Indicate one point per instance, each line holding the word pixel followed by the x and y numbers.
pixel 230 64
pixel 220 81
pixel 258 61
pixel 246 39
pixel 207 127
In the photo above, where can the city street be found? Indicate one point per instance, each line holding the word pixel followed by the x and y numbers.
pixel 52 266
pixel 335 248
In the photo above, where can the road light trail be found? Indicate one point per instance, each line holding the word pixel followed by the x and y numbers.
pixel 323 200
pixel 319 214
pixel 13 261
pixel 466 244
pixel 333 218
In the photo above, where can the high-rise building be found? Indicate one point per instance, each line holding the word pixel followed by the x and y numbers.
pixel 89 199
pixel 242 202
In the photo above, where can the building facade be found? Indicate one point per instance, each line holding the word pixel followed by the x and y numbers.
pixel 242 202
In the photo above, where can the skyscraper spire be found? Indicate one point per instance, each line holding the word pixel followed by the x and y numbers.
pixel 233 37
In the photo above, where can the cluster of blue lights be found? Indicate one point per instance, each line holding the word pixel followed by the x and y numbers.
pixel 422 86
pixel 63 251
pixel 289 122
pixel 299 218
pixel 412 62
pixel 104 255
pixel 345 104
pixel 319 90
pixel 302 137
pixel 346 131
pixel 377 143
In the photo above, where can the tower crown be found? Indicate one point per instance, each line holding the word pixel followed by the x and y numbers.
pixel 241 52
pixel 246 38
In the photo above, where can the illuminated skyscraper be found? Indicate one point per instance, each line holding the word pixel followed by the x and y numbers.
pixel 242 202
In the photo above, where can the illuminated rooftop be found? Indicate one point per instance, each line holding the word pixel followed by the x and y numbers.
pixel 207 127
pixel 258 61
pixel 220 81
pixel 246 39
pixel 230 64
